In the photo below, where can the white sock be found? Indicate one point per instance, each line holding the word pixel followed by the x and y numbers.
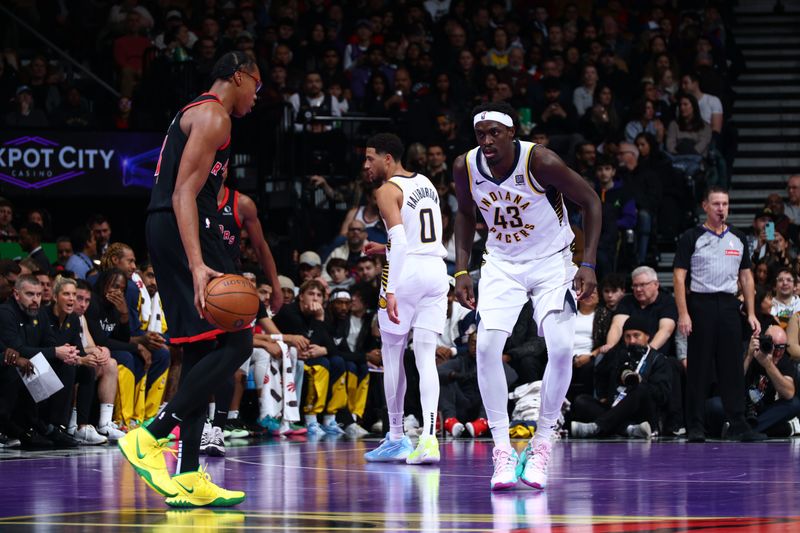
pixel 328 419
pixel 212 406
pixel 106 411
pixel 233 415
pixel 559 332
pixel 73 418
pixel 492 383
pixel 394 381
pixel 424 343
pixel 311 419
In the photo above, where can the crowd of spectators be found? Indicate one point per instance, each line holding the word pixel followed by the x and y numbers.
pixel 634 97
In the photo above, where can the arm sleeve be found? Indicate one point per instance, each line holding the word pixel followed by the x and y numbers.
pixel 672 137
pixel 397 256
pixel 703 140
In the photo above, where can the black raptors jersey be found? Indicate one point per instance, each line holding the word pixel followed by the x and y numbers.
pixel 170 159
pixel 230 225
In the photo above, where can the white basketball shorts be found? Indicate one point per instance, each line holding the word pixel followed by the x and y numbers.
pixel 421 296
pixel 504 288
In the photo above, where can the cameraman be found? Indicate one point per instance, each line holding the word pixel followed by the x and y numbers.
pixel 771 385
pixel 641 390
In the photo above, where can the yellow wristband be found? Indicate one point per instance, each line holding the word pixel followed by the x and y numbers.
pixel 460 273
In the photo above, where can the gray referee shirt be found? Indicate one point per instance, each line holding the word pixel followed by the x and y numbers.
pixel 713 261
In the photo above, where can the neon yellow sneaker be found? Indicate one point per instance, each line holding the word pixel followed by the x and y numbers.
pixel 146 456
pixel 427 451
pixel 195 489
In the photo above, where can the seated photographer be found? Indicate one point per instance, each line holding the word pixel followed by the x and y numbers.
pixel 771 388
pixel 633 401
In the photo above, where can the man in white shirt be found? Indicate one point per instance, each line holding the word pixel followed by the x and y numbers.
pixel 785 304
pixel 313 102
pixel 710 105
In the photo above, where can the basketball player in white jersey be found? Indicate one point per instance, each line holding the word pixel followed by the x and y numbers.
pixel 413 294
pixel 518 187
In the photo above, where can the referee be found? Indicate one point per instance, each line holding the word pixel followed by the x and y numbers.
pixel 716 256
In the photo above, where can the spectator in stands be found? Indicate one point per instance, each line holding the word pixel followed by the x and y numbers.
pixel 555 117
pixel 688 137
pixel 313 101
pixel 619 214
pixel 9 270
pixel 325 369
pixel 583 96
pixel 118 15
pixel 66 329
pixel 46 280
pixel 650 304
pixel 585 347
pixel 791 208
pixel 367 271
pixel 45 93
pixel 309 266
pixel 63 251
pixel 24 114
pixel 771 384
pixel 709 105
pixel 774 203
pixel 646 188
pixel 7 231
pixel 585 160
pixel 288 288
pixel 785 304
pixel 75 112
pixel 339 274
pixel 368 214
pixel 25 327
pixel 644 121
pixel 359 46
pixel 351 250
pixel 612 39
pixel 373 63
pixel 348 322
pixel 779 254
pixel 108 321
pixel 102 234
pixel 376 94
pixel 601 120
pixel 640 388
pixel 105 368
pixel 30 240
pixel 84 246
pixel 129 53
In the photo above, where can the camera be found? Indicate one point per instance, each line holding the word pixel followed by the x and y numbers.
pixel 628 375
pixel 765 344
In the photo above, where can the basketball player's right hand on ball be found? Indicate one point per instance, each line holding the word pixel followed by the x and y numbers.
pixel 201 275
pixel 391 308
pixel 465 292
pixel 374 248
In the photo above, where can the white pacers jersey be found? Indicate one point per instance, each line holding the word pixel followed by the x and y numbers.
pixel 422 218
pixel 525 221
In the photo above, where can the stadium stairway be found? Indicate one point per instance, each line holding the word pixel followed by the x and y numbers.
pixel 766 112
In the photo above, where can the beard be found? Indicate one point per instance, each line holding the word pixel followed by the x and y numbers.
pixel 31 310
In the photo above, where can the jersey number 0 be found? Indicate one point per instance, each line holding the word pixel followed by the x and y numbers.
pixel 427 231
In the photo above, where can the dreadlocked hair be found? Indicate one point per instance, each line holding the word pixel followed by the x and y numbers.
pixel 114 251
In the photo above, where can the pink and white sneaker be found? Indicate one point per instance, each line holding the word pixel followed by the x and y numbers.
pixel 533 463
pixel 505 469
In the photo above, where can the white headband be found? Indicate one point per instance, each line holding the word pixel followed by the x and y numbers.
pixel 497 116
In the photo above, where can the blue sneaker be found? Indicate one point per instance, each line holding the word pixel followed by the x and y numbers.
pixel 271 424
pixel 315 431
pixel 332 428
pixel 390 451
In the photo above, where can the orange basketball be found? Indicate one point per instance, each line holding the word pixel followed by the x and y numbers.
pixel 231 302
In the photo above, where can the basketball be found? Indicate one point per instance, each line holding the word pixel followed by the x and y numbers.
pixel 231 302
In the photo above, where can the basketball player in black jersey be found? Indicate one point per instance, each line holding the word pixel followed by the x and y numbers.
pixel 187 251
